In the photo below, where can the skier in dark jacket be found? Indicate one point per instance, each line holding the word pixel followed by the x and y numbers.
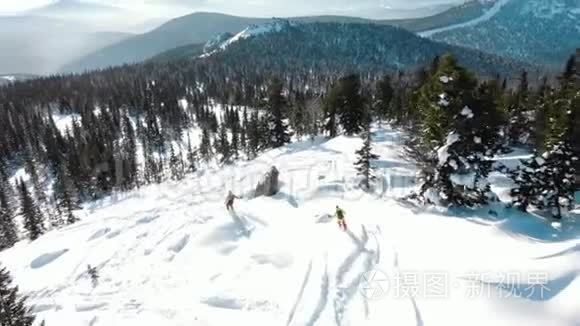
pixel 230 200
pixel 340 217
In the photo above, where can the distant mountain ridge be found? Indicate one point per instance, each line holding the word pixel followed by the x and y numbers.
pixel 41 45
pixel 340 48
pixel 198 28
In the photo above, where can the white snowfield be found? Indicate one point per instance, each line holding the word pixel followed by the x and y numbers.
pixel 172 255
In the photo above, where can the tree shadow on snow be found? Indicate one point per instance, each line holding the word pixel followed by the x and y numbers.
pixel 511 221
pixel 542 290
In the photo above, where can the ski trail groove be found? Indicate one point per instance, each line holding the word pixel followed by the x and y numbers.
pixel 396 266
pixel 323 300
pixel 346 293
pixel 300 294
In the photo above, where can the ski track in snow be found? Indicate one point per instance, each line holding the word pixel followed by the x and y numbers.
pixel 323 297
pixel 347 292
pixel 300 294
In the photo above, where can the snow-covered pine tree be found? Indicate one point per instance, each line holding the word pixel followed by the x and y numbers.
pixel 244 132
pixel 383 99
pixel 235 143
pixel 176 164
pixel 223 145
pixel 13 308
pixel 35 169
pixel 570 85
pixel 253 131
pixel 364 163
pixel 520 112
pixel 191 157
pixel 547 181
pixel 331 107
pixel 527 181
pixel 33 218
pixel 129 152
pixel 205 149
pixel 470 122
pixel 8 230
pixel 298 117
pixel 351 105
pixel 148 164
pixel 279 134
pixel 65 194
pixel 559 174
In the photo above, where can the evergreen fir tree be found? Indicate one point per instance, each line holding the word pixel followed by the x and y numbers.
pixel 13 307
pixel 235 143
pixel 298 119
pixel 253 136
pixel 541 107
pixel 331 107
pixel 176 164
pixel 223 145
pixel 244 132
pixel 191 157
pixel 527 182
pixel 33 218
pixel 352 111
pixel 384 98
pixel 440 99
pixel 279 135
pixel 205 149
pixel 520 112
pixel 461 163
pixel 8 230
pixel 547 181
pixel 365 158
pixel 65 194
pixel 129 151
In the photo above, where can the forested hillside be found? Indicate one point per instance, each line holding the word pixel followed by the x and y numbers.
pixel 129 124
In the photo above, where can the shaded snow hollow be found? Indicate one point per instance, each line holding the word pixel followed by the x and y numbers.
pixel 170 254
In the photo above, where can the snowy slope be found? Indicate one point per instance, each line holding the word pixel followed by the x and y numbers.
pixel 489 14
pixel 544 32
pixel 171 255
pixel 255 30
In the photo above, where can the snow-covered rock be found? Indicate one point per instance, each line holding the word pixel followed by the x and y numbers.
pixel 269 185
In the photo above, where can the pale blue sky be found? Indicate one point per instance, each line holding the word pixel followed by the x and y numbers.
pixel 242 7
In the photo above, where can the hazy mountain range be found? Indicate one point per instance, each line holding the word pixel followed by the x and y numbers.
pixel 54 38
pixel 200 27
pixel 42 45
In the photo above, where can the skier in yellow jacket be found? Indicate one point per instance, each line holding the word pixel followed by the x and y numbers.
pixel 340 217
